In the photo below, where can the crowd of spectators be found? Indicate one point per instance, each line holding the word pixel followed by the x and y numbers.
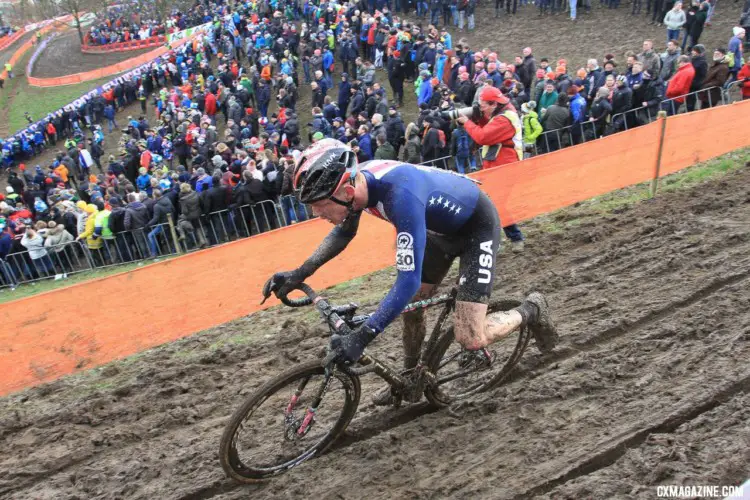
pixel 215 149
pixel 126 22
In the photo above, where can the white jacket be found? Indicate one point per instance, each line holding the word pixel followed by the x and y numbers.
pixel 34 245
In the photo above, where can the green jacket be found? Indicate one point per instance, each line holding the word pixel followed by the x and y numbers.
pixel 101 225
pixel 385 152
pixel 531 127
pixel 545 100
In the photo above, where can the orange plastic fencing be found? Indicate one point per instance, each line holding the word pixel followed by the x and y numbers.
pixel 88 324
pixel 525 189
pixel 19 53
pixel 153 41
pixel 114 69
pixel 9 40
pixel 694 137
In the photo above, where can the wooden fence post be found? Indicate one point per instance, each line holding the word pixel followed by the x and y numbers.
pixel 662 133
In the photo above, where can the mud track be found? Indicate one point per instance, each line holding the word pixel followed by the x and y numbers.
pixel 63 56
pixel 653 306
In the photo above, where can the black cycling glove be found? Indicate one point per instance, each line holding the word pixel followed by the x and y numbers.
pixel 350 347
pixel 283 283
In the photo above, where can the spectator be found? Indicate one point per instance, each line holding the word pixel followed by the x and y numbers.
pixel 674 20
pixel 385 150
pixel 679 85
pixel 162 209
pixel 532 129
pixel 713 84
pixel 413 148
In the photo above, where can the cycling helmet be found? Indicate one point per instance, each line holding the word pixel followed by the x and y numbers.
pixel 322 169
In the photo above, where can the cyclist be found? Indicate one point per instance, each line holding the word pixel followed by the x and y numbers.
pixel 438 216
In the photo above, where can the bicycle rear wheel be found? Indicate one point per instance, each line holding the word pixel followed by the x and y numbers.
pixel 276 429
pixel 460 373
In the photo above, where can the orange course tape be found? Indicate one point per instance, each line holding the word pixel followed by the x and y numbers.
pixel 112 70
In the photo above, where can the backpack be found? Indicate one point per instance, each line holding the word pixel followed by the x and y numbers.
pixel 441 138
pixel 730 59
pixel 40 206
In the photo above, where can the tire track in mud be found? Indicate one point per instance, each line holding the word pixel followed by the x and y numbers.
pixel 383 422
pixel 615 449
pixel 362 431
pixel 620 330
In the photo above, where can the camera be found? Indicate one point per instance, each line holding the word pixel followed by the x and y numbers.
pixel 472 113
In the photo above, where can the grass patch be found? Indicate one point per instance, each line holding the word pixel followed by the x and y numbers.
pixel 36 100
pixel 29 289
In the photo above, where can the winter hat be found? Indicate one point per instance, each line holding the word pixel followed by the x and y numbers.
pixel 737 30
pixel 435 82
pixel 9 189
pixel 560 70
pixel 602 92
pixel 91 208
pixel 318 136
pixel 81 204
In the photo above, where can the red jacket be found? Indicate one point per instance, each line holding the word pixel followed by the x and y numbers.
pixel 745 73
pixel 499 131
pixel 210 104
pixel 680 83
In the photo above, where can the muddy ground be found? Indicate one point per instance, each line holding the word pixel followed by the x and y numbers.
pixel 647 387
pixel 63 56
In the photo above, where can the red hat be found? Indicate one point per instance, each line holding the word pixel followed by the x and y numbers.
pixel 48 180
pixel 396 53
pixel 492 94
pixel 435 81
pixel 22 167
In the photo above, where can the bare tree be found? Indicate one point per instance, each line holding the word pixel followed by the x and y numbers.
pixel 77 8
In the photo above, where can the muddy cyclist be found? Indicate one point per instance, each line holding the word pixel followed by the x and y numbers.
pixel 438 216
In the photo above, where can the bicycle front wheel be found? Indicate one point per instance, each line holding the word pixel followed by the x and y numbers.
pixel 281 426
pixel 460 373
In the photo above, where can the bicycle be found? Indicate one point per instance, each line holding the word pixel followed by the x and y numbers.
pixel 285 403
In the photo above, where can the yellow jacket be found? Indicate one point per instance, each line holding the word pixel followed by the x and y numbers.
pixel 88 233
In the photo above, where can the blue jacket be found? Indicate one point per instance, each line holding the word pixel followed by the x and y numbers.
pixel 365 146
pixel 6 242
pixel 327 60
pixel 425 92
pixel 735 46
pixel 578 108
pixel 440 66
pixel 344 95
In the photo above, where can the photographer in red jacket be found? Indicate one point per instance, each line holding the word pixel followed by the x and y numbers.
pixel 498 130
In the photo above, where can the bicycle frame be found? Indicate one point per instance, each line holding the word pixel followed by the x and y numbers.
pixel 394 378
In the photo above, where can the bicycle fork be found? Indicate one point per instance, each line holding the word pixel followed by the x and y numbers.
pixel 297 428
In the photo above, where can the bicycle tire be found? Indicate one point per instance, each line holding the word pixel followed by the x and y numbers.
pixel 228 454
pixel 439 397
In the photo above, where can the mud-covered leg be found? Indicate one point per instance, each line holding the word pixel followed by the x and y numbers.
pixel 415 328
pixel 414 333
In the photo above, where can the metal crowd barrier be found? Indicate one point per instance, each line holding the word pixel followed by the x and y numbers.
pixel 733 92
pixel 671 104
pixel 634 117
pixel 560 138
